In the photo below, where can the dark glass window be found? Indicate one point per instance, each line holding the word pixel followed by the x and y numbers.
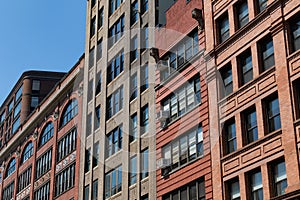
pixel 116 31
pixel 99 82
pixel 69 112
pixel 114 141
pixel 100 18
pixel 27 153
pixel 115 67
pixel 145 38
pixel 93 3
pixel 113 182
pixel 24 179
pixel 256 186
pixel 133 127
pixel 99 49
pixel 223 28
pixel 266 51
pixel 144 163
pixel 133 86
pixel 8 191
pixel 242 13
pixel 227 84
pixel 233 189
pixel 133 170
pixel 245 67
pixel 279 178
pixel 65 180
pixel 134 53
pixel 144 78
pixel 43 164
pixel 11 168
pixel 47 133
pixel 86 192
pixel 115 102
pixel 144 119
pixel 66 145
pixel 295 33
pixel 95 190
pixel 144 6
pixel 93 26
pixel 96 154
pixel 250 125
pixel 134 12
pixel 273 114
pixel 229 132
pixel 261 5
pixel 97 117
pixel 43 193
pixel 114 5
pixel 87 160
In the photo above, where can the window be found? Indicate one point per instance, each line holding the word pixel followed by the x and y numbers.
pixel 34 102
pixel 242 14
pixel 47 133
pixel 183 100
pixel 99 82
pixel 226 75
pixel 134 49
pixel 11 168
pixel 10 105
pixel 133 86
pixel 194 190
pixel 93 3
pixel 86 192
pixel 134 12
pixel 273 114
pixel 87 162
pixel 144 6
pixel 93 27
pixel 183 149
pixel 16 125
pixel 223 28
pixel 144 163
pixel 295 33
pixel 43 193
pixel 279 177
pixel 91 57
pixel 36 84
pixel 8 191
pixel 90 90
pixel 250 125
pixel 261 5
pixel 43 164
pixel 245 67
pixel 266 51
pixel 180 54
pixel 133 127
pixel 89 124
pixel 19 93
pixel 113 182
pixel 2 117
pixel 27 153
pixel 114 5
pixel 100 18
pixel 99 49
pixel 116 31
pixel 115 67
pixel 229 133
pixel 65 180
pixel 96 154
pixel 114 141
pixel 115 102
pixel 144 119
pixel 296 85
pixel 145 197
pixel 132 171
pixel 17 109
pixel 145 38
pixel 66 145
pixel 256 186
pixel 95 190
pixel 144 78
pixel 233 188
pixel 97 117
pixel 24 179
pixel 69 112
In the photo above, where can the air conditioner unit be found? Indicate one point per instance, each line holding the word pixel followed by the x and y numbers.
pixel 162 115
pixel 162 65
pixel 163 163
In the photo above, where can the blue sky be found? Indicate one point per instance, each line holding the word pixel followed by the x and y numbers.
pixel 39 35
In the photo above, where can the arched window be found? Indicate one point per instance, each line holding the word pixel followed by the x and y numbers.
pixel 69 112
pixel 11 167
pixel 27 153
pixel 47 133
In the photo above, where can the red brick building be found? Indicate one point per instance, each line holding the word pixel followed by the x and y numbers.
pixel 39 157
pixel 182 143
pixel 252 52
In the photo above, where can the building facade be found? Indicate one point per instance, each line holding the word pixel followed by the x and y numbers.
pixel 40 158
pixel 252 54
pixel 182 127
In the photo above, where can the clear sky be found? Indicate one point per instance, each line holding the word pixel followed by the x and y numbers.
pixel 39 35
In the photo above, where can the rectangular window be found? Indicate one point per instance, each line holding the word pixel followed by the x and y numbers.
pixel 93 3
pixel 95 190
pixel 19 93
pixel 65 180
pixel 34 102
pixel 144 78
pixel 184 149
pixel 245 67
pixel 227 84
pixel 273 114
pixel 100 18
pixel 115 67
pixel 113 182
pixel 87 160
pixel 133 127
pixel 99 82
pixel 99 49
pixel 114 141
pixel 43 193
pixel 67 144
pixel 93 27
pixel 134 49
pixel 16 125
pixel 116 31
pixel 90 94
pixel 91 57
pixel 35 85
pixel 295 33
pixel 229 132
pixel 144 6
pixel 144 163
pixel 24 179
pixel 114 5
pixel 43 164
pixel 223 28
pixel 8 191
pixel 89 124
pixel 194 190
pixel 134 12
pixel 115 102
pixel 133 170
pixel 133 86
pixel 96 154
pixel 256 186
pixel 242 13
pixel 266 54
pixel 296 86
pixel 279 177
pixel 233 189
pixel 261 5
pixel 86 192
pixel 144 119
pixel 145 38
pixel 17 109
pixel 250 123
pixel 97 117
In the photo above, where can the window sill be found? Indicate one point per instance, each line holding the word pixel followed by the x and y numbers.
pixel 113 116
pixel 115 79
pixel 114 196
